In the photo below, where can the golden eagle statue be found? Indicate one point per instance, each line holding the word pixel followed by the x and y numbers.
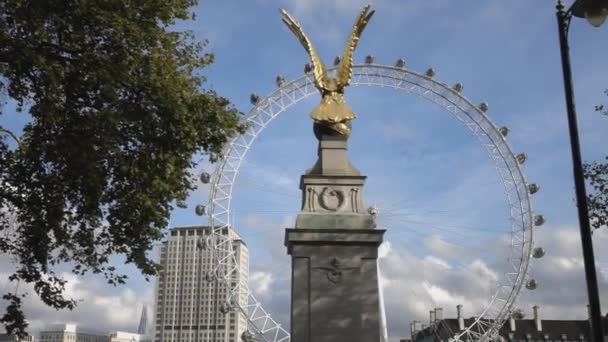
pixel 333 111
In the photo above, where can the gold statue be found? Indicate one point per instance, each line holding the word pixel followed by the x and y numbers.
pixel 333 111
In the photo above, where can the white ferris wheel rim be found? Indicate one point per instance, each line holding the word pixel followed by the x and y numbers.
pixel 473 117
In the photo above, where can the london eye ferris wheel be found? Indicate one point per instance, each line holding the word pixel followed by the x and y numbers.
pixel 521 219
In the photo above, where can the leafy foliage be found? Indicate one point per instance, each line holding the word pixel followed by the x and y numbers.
pixel 601 108
pixel 117 112
pixel 597 199
pixel 13 318
pixel 596 173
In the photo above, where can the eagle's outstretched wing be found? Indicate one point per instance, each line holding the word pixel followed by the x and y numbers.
pixel 317 65
pixel 346 65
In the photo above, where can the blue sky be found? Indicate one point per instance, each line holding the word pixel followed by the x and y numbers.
pixel 431 180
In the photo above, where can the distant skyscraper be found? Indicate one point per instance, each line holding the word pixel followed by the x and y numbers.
pixel 190 303
pixel 143 321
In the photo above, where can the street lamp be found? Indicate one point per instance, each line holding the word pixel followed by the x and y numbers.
pixel 595 11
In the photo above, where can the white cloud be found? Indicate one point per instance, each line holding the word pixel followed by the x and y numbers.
pixel 414 285
pixel 443 296
pixel 101 307
pixel 437 261
pixel 260 282
pixel 384 250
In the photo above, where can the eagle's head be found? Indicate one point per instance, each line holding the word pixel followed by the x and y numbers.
pixel 330 84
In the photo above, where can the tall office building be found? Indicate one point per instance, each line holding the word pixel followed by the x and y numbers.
pixel 190 303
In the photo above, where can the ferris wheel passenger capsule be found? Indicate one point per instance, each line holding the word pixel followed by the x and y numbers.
pixel 205 177
pixel 521 158
pixel 484 106
pixel 181 204
pixel 307 68
pixel 374 211
pixel 209 277
pixel 504 131
pixel 248 336
pixel 533 188
pixel 200 210
pixel 458 87
pixel 280 80
pixel 336 60
pixel 538 252
pixel 254 99
pixel 539 220
pixel 400 63
pixel 369 59
pixel 225 308
pixel 532 284
pixel 202 244
pixel 430 72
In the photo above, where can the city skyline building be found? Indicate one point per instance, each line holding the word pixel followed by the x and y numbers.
pixel 15 338
pixel 191 304
pixel 121 336
pixel 142 329
pixel 71 333
pixel 515 329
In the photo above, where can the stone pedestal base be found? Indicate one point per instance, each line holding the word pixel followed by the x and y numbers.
pixel 334 293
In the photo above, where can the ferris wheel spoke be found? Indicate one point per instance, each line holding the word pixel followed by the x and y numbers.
pixel 447 227
pixel 460 244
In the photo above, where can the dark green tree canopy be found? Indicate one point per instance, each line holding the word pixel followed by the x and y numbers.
pixel 117 112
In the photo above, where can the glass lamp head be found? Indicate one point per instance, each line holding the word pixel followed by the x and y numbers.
pixel 595 11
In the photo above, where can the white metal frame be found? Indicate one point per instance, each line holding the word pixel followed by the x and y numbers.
pixel 485 327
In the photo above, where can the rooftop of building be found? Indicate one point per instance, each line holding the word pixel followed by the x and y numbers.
pixel 191 226
pixel 526 329
pixel 72 328
pixel 174 231
pixel 127 335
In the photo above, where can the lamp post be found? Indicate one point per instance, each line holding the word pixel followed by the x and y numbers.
pixel 595 12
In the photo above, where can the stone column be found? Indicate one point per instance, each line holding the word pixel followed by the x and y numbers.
pixel 334 250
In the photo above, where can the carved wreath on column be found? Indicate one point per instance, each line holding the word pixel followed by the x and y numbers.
pixel 331 199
